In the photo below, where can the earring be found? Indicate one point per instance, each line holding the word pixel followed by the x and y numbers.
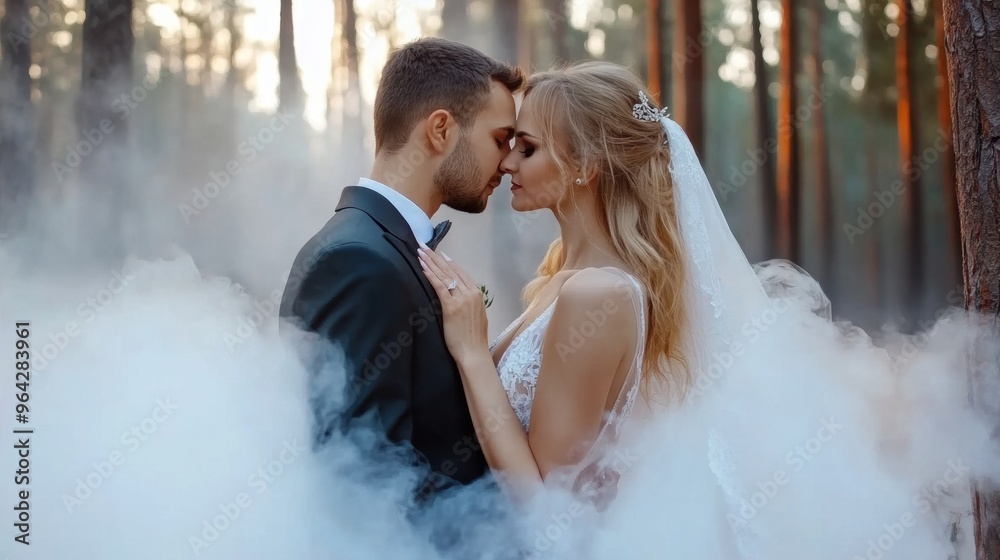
pixel 579 181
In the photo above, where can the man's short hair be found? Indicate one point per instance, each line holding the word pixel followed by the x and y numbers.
pixel 431 74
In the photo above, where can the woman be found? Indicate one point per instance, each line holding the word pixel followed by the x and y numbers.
pixel 783 435
pixel 613 277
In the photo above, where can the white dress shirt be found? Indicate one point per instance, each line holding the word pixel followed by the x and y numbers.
pixel 418 221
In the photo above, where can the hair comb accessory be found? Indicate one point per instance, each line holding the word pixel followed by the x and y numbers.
pixel 645 112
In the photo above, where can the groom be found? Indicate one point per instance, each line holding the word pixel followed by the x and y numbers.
pixel 444 118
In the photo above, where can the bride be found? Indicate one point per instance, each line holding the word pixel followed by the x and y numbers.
pixel 646 307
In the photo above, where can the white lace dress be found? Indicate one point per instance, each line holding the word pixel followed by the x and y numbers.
pixel 522 360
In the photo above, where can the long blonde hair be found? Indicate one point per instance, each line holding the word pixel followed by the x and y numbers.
pixel 584 113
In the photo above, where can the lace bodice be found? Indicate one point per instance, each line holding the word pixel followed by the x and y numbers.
pixel 522 360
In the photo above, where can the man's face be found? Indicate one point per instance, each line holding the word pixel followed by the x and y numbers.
pixel 469 174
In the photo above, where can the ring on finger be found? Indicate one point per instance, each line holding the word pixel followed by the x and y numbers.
pixel 452 286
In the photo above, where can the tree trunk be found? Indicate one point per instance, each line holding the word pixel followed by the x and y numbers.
pixel 290 88
pixel 654 48
pixel 353 129
pixel 972 33
pixel 18 120
pixel 689 63
pixel 186 106
pixel 953 248
pixel 455 20
pixel 788 140
pixel 823 194
pixel 233 77
pixel 352 57
pixel 555 11
pixel 506 19
pixel 106 77
pixel 765 134
pixel 911 200
pixel 876 311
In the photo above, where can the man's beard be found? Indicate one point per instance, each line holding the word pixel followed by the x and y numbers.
pixel 458 179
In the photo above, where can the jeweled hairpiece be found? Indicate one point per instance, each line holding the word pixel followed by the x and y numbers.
pixel 645 112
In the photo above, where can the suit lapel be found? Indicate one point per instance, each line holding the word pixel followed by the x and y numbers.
pixel 397 231
pixel 411 259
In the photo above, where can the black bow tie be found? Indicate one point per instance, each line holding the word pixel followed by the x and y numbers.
pixel 440 231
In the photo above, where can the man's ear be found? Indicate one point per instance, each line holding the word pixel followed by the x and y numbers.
pixel 439 130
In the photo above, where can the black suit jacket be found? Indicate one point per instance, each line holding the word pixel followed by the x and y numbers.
pixel 358 284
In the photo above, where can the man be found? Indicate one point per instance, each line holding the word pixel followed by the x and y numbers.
pixel 444 118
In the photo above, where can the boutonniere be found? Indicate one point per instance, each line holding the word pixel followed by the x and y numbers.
pixel 487 299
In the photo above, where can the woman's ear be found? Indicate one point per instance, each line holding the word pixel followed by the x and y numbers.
pixel 439 125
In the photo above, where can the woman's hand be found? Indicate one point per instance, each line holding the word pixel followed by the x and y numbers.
pixel 462 307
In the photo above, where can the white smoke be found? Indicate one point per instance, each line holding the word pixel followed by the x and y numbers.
pixel 171 421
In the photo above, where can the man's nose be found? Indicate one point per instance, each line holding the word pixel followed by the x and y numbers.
pixel 507 165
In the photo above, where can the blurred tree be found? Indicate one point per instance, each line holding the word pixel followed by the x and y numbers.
pixel 290 87
pixel 972 32
pixel 873 240
pixel 789 192
pixel 352 59
pixel 106 77
pixel 344 110
pixel 186 94
pixel 507 20
pixel 655 49
pixel 234 78
pixel 911 200
pixel 689 67
pixel 455 20
pixel 18 121
pixel 875 68
pixel 765 134
pixel 824 225
pixel 556 17
pixel 953 245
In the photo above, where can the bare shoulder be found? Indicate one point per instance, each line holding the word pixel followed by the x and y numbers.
pixel 597 303
pixel 595 287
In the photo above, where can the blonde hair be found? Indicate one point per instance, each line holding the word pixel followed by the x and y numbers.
pixel 584 113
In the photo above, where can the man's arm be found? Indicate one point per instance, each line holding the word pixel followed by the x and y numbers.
pixel 354 297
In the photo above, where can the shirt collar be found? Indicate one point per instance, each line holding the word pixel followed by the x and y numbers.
pixel 418 221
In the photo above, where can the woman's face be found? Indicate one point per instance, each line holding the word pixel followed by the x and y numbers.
pixel 535 179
